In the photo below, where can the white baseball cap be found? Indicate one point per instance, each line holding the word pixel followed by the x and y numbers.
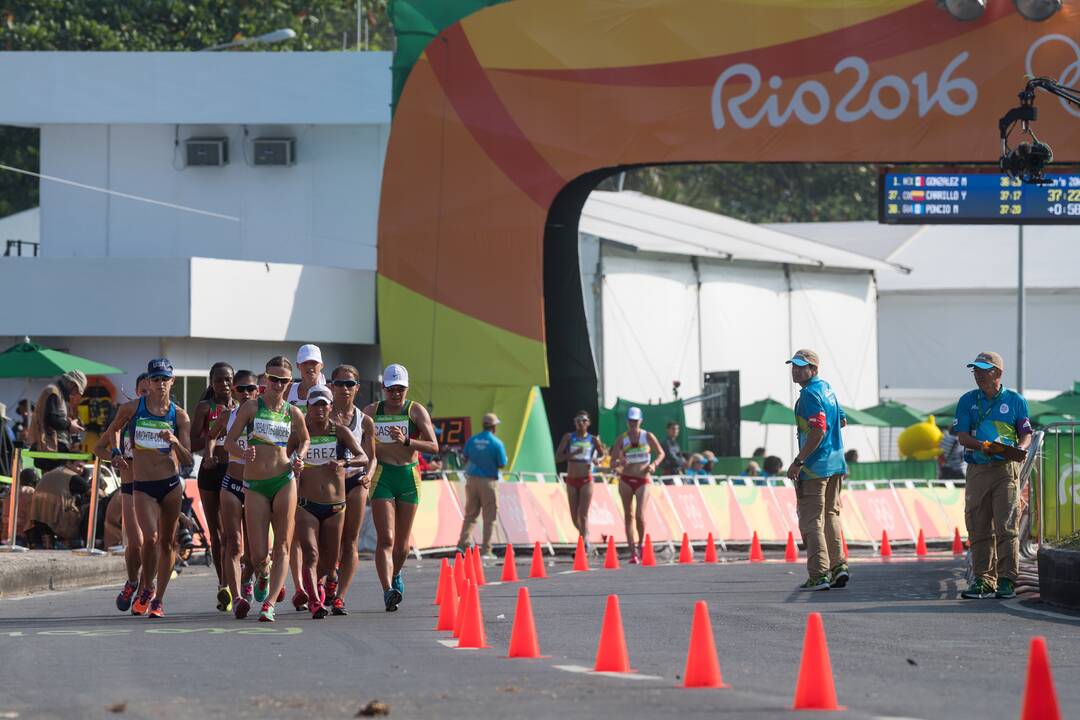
pixel 319 393
pixel 307 353
pixel 633 413
pixel 395 374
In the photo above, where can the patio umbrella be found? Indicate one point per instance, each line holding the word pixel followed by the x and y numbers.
pixel 1067 403
pixel 30 360
pixel 767 412
pixel 895 414
pixel 860 417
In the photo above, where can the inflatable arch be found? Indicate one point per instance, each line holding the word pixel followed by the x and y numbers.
pixel 512 115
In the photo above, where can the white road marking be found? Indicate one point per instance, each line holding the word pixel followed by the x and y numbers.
pixel 449 642
pixel 619 675
pixel 1014 604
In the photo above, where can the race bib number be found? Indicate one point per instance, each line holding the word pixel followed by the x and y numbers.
pixel 321 451
pixel 385 422
pixel 272 431
pixel 637 455
pixel 148 434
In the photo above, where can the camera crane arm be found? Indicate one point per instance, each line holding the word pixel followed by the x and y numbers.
pixel 1028 160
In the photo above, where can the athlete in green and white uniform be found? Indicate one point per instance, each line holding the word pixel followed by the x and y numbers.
pixel 276 433
pixel 310 365
pixel 402 429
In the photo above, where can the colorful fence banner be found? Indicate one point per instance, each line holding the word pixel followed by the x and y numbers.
pixel 881 510
pixel 690 506
pixel 1060 485
pixel 606 514
pixel 726 512
pixel 438 519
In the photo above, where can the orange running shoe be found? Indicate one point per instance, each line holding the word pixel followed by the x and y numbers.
pixel 156 610
pixel 142 603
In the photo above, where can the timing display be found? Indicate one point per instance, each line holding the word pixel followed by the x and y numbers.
pixel 977 198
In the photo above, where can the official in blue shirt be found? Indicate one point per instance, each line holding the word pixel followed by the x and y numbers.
pixel 989 420
pixel 817 472
pixel 486 454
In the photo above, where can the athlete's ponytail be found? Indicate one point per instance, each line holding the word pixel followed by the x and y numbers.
pixel 208 394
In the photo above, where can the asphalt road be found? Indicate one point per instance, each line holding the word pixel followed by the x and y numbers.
pixel 903 645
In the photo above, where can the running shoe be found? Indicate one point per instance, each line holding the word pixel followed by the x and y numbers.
pixel 489 556
pixel 840 576
pixel 391 598
pixel 241 608
pixel 331 586
pixel 281 594
pixel 156 609
pixel 317 610
pixel 1006 589
pixel 248 592
pixel 978 590
pixel 338 607
pixel 262 588
pixel 123 600
pixel 818 583
pixel 142 603
pixel 299 599
pixel 398 584
pixel 633 559
pixel 322 594
pixel 267 612
pixel 224 599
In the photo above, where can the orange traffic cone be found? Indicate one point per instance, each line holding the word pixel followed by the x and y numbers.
pixel 957 545
pixel 470 566
pixel 710 550
pixel 448 608
pixel 611 557
pixel 755 550
pixel 611 655
pixel 509 574
pixel 815 689
pixel 537 569
pixel 686 551
pixel 702 665
pixel 791 553
pixel 920 545
pixel 1040 698
pixel 478 568
pixel 581 560
pixel 648 558
pixel 444 568
pixel 472 629
pixel 463 607
pixel 886 549
pixel 843 544
pixel 523 642
pixel 459 574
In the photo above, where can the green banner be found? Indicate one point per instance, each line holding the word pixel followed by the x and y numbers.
pixel 1060 485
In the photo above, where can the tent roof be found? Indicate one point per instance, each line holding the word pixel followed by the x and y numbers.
pixel 956 257
pixel 655 225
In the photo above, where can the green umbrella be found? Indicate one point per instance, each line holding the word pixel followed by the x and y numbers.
pixel 895 414
pixel 29 360
pixel 1067 403
pixel 860 417
pixel 767 412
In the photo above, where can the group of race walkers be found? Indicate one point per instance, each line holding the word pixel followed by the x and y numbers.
pixel 286 471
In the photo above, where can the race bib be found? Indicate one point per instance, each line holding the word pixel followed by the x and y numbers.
pixel 638 455
pixel 322 450
pixel 147 434
pixel 581 450
pixel 383 423
pixel 271 431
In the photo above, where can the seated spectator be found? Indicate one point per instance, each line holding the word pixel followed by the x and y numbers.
pixel 851 456
pixel 55 509
pixel 758 456
pixel 773 466
pixel 951 461
pixel 710 458
pixel 752 469
pixel 696 466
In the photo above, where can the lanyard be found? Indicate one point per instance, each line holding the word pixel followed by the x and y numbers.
pixel 990 408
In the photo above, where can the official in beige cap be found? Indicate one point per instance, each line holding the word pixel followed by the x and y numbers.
pixel 992 424
pixel 486 455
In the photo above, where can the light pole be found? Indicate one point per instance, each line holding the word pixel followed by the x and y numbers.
pixel 269 38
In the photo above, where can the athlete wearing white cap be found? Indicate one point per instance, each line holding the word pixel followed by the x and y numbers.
pixel 310 363
pixel 635 455
pixel 402 429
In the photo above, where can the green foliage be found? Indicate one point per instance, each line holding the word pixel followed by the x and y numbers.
pixel 763 193
pixel 163 25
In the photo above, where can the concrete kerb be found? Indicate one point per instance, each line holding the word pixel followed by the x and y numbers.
pixel 44 570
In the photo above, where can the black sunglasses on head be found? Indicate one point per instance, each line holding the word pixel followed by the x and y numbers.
pixel 246 388
pixel 345 383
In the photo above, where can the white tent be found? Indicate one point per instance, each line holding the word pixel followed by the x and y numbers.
pixel 673 292
pixel 960 298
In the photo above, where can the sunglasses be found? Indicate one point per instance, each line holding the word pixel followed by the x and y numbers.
pixel 159 378
pixel 345 383
pixel 581 419
pixel 279 380
pixel 246 388
pixel 396 389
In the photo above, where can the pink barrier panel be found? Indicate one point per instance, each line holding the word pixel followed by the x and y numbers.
pixel 726 513
pixel 882 511
pixel 191 489
pixel 851 520
pixel 550 500
pixel 692 511
pixel 952 504
pixel 787 504
pixel 605 514
pixel 925 512
pixel 515 515
pixel 660 520
pixel 762 514
pixel 438 518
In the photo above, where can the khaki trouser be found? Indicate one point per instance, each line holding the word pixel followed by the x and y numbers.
pixel 818 507
pixel 991 514
pixel 479 494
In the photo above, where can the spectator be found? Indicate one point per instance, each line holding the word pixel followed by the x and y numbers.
pixel 752 469
pixel 758 456
pixel 773 466
pixel 23 412
pixel 851 456
pixel 55 508
pixel 7 441
pixel 674 460
pixel 710 460
pixel 486 455
pixel 952 465
pixel 696 466
pixel 54 421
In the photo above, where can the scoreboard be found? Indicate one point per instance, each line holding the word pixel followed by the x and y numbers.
pixel 976 198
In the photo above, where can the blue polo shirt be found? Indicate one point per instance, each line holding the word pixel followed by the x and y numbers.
pixel 486 454
pixel 817 407
pixel 1003 419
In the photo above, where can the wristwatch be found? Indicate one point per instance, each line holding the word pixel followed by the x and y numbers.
pixel 797 462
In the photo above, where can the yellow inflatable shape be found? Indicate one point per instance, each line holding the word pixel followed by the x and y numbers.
pixel 921 441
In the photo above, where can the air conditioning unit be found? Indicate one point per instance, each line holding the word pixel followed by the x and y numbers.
pixel 275 151
pixel 206 152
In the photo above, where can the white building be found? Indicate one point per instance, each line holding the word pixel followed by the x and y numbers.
pixel 144 254
pixel 961 297
pixel 672 292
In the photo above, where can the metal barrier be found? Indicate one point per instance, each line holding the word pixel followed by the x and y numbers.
pixel 1056 491
pixel 13 499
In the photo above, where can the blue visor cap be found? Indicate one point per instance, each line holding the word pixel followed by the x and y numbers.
pixel 797 361
pixel 980 365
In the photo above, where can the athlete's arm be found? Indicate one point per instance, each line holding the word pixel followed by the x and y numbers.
pixel 216 431
pixel 301 436
pixel 111 437
pixel 346 438
pixel 426 443
pixel 658 450
pixel 181 441
pixel 367 426
pixel 617 453
pixel 198 419
pixel 598 449
pixel 560 454
pixel 243 417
